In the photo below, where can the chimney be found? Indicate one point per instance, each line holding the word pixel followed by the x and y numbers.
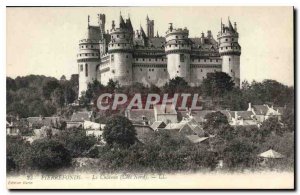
pixel 235 115
pixel 249 106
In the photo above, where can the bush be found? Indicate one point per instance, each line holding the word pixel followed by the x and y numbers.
pixel 49 155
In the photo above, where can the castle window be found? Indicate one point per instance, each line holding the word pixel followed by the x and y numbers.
pixel 179 66
pixel 201 70
pixel 217 60
pixel 141 70
pixel 175 45
pixel 221 48
pixel 86 70
pixel 182 45
pixel 232 39
pixel 231 70
pixel 143 59
pixel 126 56
pixel 149 77
pixel 226 47
pixel 86 55
pixel 149 60
pixel 152 69
pixel 211 60
pixel 81 68
pixel 176 37
pixel 127 71
pixel 229 59
pixel 92 46
pixel 198 60
pixel 177 71
pixel 181 57
pixel 226 39
pixel 155 59
pixel 118 44
pixel 117 36
pixel 204 60
pixel 165 70
pixel 82 46
pixel 79 54
pixel 92 54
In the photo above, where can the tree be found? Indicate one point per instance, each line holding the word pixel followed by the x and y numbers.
pixel 213 121
pixel 49 87
pixel 112 85
pixel 49 155
pixel 76 141
pixel 217 83
pixel 239 154
pixel 176 85
pixel 119 130
pixel 271 125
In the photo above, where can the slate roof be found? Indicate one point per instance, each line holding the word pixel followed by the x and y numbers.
pixel 138 114
pixel 246 115
pixel 167 109
pixel 158 124
pixel 93 32
pixel 44 121
pixel 81 116
pixel 280 109
pixel 199 115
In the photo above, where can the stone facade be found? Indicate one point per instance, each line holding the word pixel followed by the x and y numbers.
pixel 128 56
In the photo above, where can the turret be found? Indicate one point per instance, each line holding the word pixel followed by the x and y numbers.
pixel 178 49
pixel 230 51
pixel 150 27
pixel 120 51
pixel 88 57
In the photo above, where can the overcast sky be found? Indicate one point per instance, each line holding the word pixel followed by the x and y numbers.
pixel 45 40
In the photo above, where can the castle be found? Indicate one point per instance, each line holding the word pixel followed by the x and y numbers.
pixel 128 56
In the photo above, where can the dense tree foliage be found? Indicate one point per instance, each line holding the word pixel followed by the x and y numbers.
pixel 119 130
pixel 76 141
pixel 213 121
pixel 49 155
pixel 36 95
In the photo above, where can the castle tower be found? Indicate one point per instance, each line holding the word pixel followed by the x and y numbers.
pixel 178 48
pixel 102 43
pixel 230 51
pixel 150 27
pixel 120 51
pixel 88 57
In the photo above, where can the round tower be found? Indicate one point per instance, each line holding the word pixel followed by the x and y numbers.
pixel 230 51
pixel 88 58
pixel 178 48
pixel 120 51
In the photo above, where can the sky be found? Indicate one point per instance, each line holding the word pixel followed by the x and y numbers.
pixel 44 40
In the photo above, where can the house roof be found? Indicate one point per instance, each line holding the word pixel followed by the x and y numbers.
pixel 165 109
pixel 200 115
pixel 279 109
pixel 176 126
pixel 158 124
pixel 157 42
pixel 246 115
pixel 45 121
pixel 138 114
pixel 81 116
pixel 271 154
pixel 260 109
pixel 196 139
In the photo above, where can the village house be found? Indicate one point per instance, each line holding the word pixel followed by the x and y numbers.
pixel 78 118
pixel 263 112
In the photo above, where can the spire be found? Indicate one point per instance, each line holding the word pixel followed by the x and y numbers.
pixel 230 26
pixel 157 34
pixel 147 18
pixel 122 23
pixel 143 32
pixel 88 20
